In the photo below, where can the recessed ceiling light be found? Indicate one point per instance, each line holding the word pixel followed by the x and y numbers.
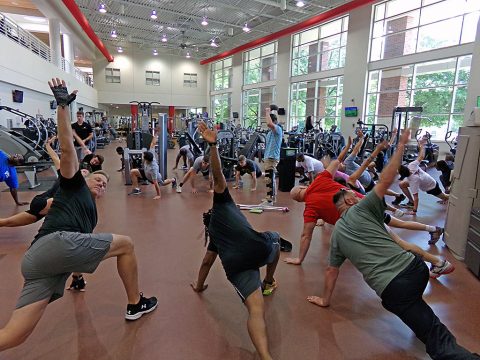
pixel 246 28
pixel 102 8
pixel 204 21
pixel 164 38
pixel 154 14
pixel 300 3
pixel 120 49
pixel 113 33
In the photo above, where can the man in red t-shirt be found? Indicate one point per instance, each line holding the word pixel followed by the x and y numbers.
pixel 318 198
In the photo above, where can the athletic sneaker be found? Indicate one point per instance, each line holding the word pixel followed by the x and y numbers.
pixel 398 199
pixel 78 283
pixel 267 289
pixel 179 189
pixel 398 213
pixel 408 205
pixel 444 269
pixel 144 306
pixel 135 192
pixel 435 235
pixel 174 183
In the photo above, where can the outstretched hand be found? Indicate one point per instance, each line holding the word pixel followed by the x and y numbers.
pixel 60 92
pixel 405 137
pixel 210 135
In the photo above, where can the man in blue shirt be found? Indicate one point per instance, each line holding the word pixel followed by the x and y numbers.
pixel 8 173
pixel 272 148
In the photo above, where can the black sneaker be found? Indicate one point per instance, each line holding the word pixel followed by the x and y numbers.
pixel 144 306
pixel 78 283
pixel 407 205
pixel 398 199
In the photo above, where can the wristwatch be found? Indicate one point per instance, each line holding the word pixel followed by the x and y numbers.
pixel 213 144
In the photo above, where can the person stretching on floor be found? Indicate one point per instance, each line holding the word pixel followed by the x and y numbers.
pixel 8 173
pixel 186 153
pixel 201 164
pixel 150 172
pixel 398 277
pixel 65 242
pixel 241 249
pixel 416 180
pixel 39 207
pixel 247 166
pixel 311 167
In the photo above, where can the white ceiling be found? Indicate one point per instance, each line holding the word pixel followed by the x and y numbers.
pixel 181 20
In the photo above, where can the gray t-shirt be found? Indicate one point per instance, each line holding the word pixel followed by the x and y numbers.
pixel 351 166
pixel 361 237
pixel 197 166
pixel 187 151
pixel 152 170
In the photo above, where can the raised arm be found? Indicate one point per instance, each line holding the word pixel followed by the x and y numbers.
pixel 344 151
pixel 334 164
pixel 270 123
pixel 358 145
pixel 421 153
pixel 153 143
pixel 356 175
pixel 219 182
pixel 68 162
pixel 389 173
pixel 53 155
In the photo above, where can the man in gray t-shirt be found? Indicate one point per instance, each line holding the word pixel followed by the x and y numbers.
pixel 398 277
pixel 150 172
pixel 186 153
pixel 201 164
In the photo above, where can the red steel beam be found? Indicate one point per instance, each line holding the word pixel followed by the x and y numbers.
pixel 330 14
pixel 83 22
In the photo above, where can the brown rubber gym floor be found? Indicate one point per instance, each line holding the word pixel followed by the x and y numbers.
pixel 169 244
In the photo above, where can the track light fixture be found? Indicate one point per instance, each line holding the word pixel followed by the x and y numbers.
pixel 213 43
pixel 164 38
pixel 113 34
pixel 246 28
pixel 102 8
pixel 204 21
pixel 153 16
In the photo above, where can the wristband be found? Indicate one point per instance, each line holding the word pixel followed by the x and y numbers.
pixel 213 144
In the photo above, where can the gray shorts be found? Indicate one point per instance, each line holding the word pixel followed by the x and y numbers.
pixel 246 282
pixel 48 263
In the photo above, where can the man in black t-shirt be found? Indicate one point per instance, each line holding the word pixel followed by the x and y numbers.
pixel 92 162
pixel 247 166
pixel 65 242
pixel 82 133
pixel 241 249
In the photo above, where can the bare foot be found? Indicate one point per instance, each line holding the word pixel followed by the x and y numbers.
pixel 318 301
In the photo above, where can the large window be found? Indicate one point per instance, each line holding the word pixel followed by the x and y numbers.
pixel 222 74
pixel 260 64
pixel 112 75
pixel 152 78
pixel 320 48
pixel 321 99
pixel 440 87
pixel 255 101
pixel 403 27
pixel 221 107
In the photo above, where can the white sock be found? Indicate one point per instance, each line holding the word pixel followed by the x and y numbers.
pixel 430 228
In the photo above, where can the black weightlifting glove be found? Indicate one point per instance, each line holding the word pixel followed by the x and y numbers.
pixel 62 96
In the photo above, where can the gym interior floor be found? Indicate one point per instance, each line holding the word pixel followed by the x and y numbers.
pixel 169 244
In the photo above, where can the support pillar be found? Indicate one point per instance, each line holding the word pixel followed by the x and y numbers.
pixel 55 44
pixel 68 53
pixel 171 119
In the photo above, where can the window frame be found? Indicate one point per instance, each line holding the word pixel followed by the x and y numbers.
pixel 111 76
pixel 190 80
pixel 150 75
pixel 249 57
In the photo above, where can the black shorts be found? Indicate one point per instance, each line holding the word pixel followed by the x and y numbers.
pixel 142 174
pixel 387 218
pixel 436 190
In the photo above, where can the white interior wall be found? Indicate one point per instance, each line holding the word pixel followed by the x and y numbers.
pixel 21 69
pixel 133 64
